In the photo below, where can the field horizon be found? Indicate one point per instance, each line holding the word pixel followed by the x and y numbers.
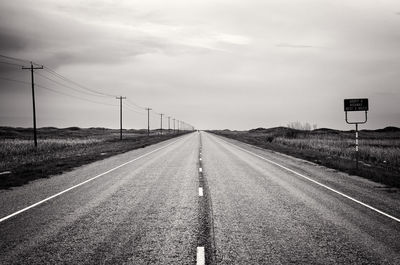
pixel 61 150
pixel 378 155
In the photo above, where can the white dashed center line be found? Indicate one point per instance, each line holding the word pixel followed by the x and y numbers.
pixel 200 256
pixel 200 191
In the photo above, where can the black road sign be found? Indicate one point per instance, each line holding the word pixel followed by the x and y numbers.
pixel 356 104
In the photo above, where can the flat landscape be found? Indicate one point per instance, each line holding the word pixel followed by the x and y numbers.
pixel 379 150
pixel 200 199
pixel 199 132
pixel 60 150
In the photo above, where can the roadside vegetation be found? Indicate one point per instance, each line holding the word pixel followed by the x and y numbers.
pixel 60 150
pixel 379 150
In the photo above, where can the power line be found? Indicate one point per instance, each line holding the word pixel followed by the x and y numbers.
pixel 77 84
pixel 130 105
pixel 136 105
pixel 14 64
pixel 14 80
pixel 53 72
pixel 127 107
pixel 15 59
pixel 70 87
pixel 73 96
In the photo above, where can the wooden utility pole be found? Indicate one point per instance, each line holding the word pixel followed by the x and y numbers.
pixel 161 114
pixel 169 127
pixel 33 100
pixel 120 115
pixel 148 121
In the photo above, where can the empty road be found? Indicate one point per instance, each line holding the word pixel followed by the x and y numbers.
pixel 200 198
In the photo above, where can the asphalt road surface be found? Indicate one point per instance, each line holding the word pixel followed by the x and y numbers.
pixel 200 198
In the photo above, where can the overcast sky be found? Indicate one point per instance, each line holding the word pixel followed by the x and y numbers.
pixel 212 63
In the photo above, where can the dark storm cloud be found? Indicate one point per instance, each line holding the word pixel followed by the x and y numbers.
pixel 56 38
pixel 10 41
pixel 95 32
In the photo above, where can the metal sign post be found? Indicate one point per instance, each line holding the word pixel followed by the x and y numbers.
pixel 356 104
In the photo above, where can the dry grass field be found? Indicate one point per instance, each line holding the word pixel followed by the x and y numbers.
pixel 60 150
pixel 379 150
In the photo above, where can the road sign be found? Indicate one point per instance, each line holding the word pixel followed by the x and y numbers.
pixel 356 104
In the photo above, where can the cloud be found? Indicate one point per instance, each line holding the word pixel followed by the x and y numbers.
pixel 212 54
pixel 56 35
pixel 299 46
pixel 11 42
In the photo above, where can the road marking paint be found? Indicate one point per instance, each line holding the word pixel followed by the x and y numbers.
pixel 201 259
pixel 9 172
pixel 200 169
pixel 84 182
pixel 318 183
pixel 200 191
pixel 200 158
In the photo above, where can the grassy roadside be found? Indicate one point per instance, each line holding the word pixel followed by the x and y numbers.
pixel 61 150
pixel 379 150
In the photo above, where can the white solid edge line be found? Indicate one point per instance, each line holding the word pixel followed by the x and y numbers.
pixel 200 191
pixel 80 184
pixel 200 259
pixel 318 183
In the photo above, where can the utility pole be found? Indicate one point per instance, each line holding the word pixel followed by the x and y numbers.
pixel 178 125
pixel 148 121
pixel 33 100
pixel 174 125
pixel 161 114
pixel 169 127
pixel 120 115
